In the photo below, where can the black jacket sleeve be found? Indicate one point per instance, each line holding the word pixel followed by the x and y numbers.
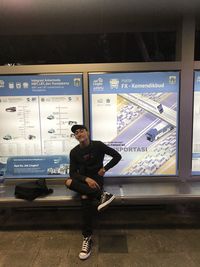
pixel 116 157
pixel 74 170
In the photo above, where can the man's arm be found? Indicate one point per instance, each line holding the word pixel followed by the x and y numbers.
pixel 116 157
pixel 73 172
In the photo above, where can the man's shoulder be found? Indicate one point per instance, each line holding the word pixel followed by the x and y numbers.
pixel 96 142
pixel 76 148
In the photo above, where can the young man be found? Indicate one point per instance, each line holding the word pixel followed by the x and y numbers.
pixel 86 178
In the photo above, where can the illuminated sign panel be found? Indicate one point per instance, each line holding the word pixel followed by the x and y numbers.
pixel 36 114
pixel 136 113
pixel 196 126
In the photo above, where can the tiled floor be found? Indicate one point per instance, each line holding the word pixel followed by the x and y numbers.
pixel 135 236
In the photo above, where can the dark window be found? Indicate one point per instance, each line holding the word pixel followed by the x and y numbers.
pixel 197 46
pixel 88 48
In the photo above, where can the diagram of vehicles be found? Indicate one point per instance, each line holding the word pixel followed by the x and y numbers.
pixel 62 169
pixel 158 131
pixel 60 122
pixel 50 117
pixel 153 127
pixel 31 137
pixel 11 109
pixel 7 137
pixel 51 131
pixel 72 123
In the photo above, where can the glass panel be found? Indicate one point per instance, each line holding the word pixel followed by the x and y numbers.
pixel 36 114
pixel 136 113
pixel 196 126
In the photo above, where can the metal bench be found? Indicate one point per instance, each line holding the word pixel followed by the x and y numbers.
pixel 126 194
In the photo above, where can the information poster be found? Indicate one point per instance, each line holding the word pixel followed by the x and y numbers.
pixel 137 114
pixel 196 126
pixel 36 114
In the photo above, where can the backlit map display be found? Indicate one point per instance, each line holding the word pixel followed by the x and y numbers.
pixel 36 114
pixel 196 126
pixel 137 114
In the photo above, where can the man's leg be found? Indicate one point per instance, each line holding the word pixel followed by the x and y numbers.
pixel 87 209
pixel 106 197
pixel 82 188
pixel 87 226
pixel 87 215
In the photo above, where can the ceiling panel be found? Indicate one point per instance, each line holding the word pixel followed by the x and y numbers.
pixel 88 16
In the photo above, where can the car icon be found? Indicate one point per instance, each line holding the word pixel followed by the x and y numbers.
pixel 50 117
pixel 51 131
pixel 31 136
pixel 72 122
pixel 11 109
pixel 7 137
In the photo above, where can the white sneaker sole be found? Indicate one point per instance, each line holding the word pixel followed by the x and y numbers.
pixel 84 257
pixel 103 205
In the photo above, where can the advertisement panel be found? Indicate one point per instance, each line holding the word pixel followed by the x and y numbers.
pixel 137 114
pixel 36 114
pixel 196 126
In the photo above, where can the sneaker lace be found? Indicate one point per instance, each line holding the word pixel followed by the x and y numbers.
pixel 85 245
pixel 103 197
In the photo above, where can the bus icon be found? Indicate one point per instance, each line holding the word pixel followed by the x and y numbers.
pixel 114 83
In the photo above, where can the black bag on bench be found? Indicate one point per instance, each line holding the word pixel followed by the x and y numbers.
pixel 32 190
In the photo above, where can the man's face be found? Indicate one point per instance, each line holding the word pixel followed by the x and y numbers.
pixel 81 135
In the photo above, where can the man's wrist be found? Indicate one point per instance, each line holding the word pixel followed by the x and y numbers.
pixel 86 179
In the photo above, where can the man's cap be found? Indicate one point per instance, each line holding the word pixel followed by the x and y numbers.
pixel 77 127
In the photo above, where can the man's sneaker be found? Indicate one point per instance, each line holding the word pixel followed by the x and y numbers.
pixel 86 248
pixel 106 199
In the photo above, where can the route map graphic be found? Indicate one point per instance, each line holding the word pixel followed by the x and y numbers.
pixel 37 112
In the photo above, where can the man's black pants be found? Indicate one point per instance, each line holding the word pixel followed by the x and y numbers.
pixel 88 196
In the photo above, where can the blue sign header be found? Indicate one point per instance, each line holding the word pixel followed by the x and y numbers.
pixel 56 84
pixel 197 81
pixel 142 82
